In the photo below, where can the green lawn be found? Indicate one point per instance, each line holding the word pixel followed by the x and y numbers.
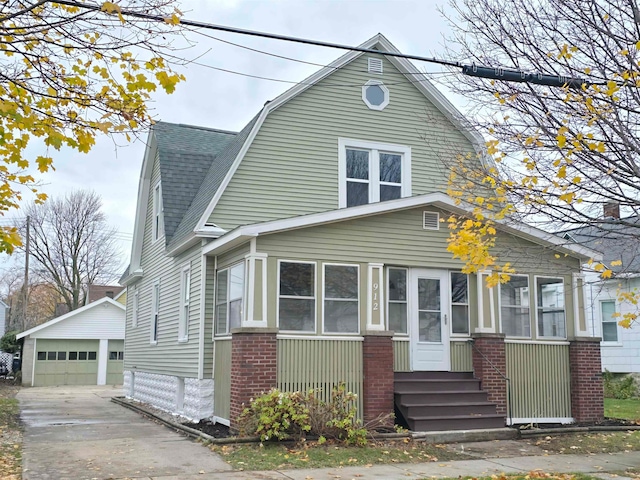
pixel 624 409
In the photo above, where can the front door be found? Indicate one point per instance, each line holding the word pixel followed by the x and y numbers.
pixel 429 320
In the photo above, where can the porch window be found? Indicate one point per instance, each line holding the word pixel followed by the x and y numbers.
pixel 155 311
pixel 550 307
pixel 341 299
pixel 459 303
pixel 373 172
pixel 297 296
pixel 609 321
pixel 514 307
pixel 397 303
pixel 229 299
pixel 185 291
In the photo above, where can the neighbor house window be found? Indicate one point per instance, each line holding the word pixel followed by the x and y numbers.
pixel 550 307
pixel 135 307
pixel 609 321
pixel 397 303
pixel 373 172
pixel 514 307
pixel 229 299
pixel 340 303
pixel 297 296
pixel 155 311
pixel 459 303
pixel 158 222
pixel 185 291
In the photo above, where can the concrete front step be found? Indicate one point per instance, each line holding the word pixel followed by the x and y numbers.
pixel 455 422
pixel 435 385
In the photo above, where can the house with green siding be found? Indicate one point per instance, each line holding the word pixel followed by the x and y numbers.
pixel 310 248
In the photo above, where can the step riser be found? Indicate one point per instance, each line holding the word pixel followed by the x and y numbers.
pixel 409 386
pixel 454 397
pixel 430 410
pixel 455 424
pixel 433 375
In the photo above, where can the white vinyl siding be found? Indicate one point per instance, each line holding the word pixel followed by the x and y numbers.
pixel 185 293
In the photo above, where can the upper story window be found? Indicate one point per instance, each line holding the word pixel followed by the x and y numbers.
pixel 375 95
pixel 158 221
pixel 550 307
pixel 514 307
pixel 229 299
pixel 609 321
pixel 372 172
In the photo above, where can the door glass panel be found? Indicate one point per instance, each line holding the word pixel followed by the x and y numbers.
pixel 428 294
pixel 429 326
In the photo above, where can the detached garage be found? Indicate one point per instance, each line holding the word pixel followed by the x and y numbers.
pixel 83 347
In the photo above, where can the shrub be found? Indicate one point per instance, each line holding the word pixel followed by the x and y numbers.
pixel 8 343
pixel 618 387
pixel 279 415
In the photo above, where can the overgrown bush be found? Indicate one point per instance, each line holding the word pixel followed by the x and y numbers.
pixel 8 343
pixel 619 387
pixel 279 415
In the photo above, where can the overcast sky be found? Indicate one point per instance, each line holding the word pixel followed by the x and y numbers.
pixel 222 100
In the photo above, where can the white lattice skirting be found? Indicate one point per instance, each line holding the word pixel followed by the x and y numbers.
pixel 187 397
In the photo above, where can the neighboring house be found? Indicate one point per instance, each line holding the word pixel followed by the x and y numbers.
pixel 95 292
pixel 309 248
pixel 121 297
pixel 83 347
pixel 4 314
pixel 620 346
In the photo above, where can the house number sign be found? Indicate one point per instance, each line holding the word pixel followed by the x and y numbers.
pixel 375 314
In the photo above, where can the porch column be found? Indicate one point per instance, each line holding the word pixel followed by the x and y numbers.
pixel 253 366
pixel 587 396
pixel 489 361
pixel 377 352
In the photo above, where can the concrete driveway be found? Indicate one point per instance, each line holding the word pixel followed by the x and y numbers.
pixel 77 433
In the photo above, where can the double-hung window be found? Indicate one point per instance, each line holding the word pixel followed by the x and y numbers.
pixel 158 221
pixel 550 307
pixel 397 300
pixel 341 299
pixel 185 292
pixel 514 307
pixel 229 299
pixel 373 172
pixel 297 296
pixel 459 303
pixel 609 321
pixel 155 311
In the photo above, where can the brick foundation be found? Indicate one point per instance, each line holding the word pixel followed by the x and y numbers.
pixel 377 352
pixel 253 366
pixel 587 397
pixel 492 346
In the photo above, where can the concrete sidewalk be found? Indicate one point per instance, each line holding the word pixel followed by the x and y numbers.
pixel 598 465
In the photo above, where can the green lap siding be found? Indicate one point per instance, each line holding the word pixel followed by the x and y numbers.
pixel 66 372
pixel 222 379
pixel 401 360
pixel 540 380
pixel 115 366
pixel 461 357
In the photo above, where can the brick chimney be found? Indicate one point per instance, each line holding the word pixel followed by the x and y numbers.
pixel 612 210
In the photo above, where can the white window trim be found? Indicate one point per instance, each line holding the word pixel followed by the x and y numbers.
pixel 500 309
pixel 135 307
pixel 406 271
pixel 451 304
pixel 374 167
pixel 609 343
pixel 158 213
pixel 535 299
pixel 185 308
pixel 385 90
pixel 324 265
pixel 315 297
pixel 228 269
pixel 155 312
